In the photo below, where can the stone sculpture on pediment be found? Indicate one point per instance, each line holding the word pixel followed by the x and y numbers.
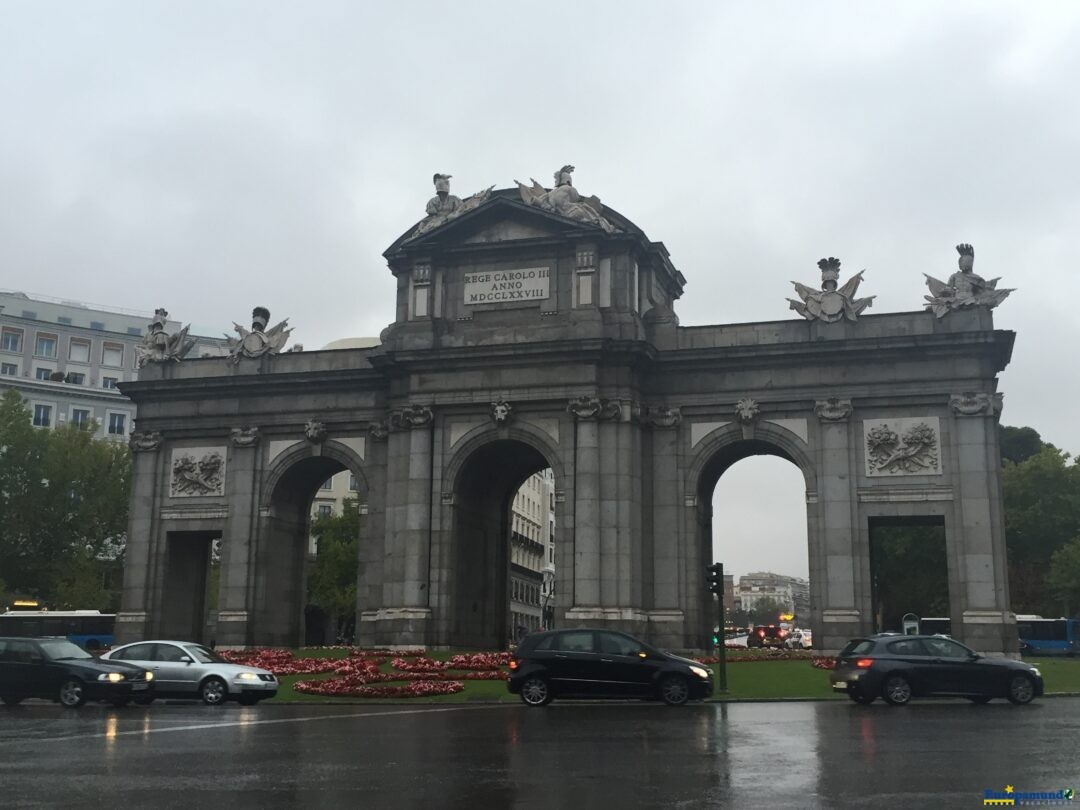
pixel 259 340
pixel 833 409
pixel 971 404
pixel 501 412
pixel 197 473
pixel 144 442
pixel 964 289
pixel 315 431
pixel 830 304
pixel 158 346
pixel 566 201
pixel 244 436
pixel 444 206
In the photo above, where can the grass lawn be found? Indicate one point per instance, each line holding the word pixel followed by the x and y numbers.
pixel 746 680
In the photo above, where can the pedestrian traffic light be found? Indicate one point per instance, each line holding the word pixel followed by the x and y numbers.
pixel 714 576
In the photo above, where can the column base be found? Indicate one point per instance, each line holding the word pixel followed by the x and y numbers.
pixel 130 626
pixel 990 631
pixel 395 627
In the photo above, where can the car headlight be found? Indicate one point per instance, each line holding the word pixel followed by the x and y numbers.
pixel 111 677
pixel 701 672
pixel 1035 671
pixel 149 675
pixel 247 676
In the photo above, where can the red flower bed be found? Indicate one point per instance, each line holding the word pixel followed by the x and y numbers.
pixel 479 661
pixel 419 665
pixel 824 663
pixel 353 687
pixel 280 662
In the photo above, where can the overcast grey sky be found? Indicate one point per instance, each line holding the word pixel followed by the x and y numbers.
pixel 211 156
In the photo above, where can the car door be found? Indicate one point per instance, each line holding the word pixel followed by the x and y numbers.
pixel 575 662
pixel 965 674
pixel 910 656
pixel 176 667
pixel 141 655
pixel 620 667
pixel 24 669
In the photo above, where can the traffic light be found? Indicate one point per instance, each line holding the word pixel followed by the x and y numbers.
pixel 714 575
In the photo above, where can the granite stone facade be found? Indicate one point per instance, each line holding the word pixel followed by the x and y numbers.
pixel 636 416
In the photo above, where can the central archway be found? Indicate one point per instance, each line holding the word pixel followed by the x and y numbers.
pixel 485 485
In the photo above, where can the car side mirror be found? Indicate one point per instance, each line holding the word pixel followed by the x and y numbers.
pixel 976 656
pixel 185 659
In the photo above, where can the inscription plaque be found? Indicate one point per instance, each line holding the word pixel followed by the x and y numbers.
pixel 501 286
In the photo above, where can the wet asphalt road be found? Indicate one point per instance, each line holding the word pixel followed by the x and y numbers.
pixel 769 755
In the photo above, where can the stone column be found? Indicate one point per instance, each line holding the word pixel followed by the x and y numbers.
pixel 132 622
pixel 586 505
pixel 986 621
pixel 372 536
pixel 665 615
pixel 839 610
pixel 235 589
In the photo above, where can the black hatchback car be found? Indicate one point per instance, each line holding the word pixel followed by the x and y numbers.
pixel 56 669
pixel 897 668
pixel 586 663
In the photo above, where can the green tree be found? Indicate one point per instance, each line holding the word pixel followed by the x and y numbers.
pixel 766 610
pixel 63 506
pixel 331 584
pixel 909 573
pixel 1018 443
pixel 1063 581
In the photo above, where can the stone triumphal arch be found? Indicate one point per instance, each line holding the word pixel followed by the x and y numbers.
pixel 535 329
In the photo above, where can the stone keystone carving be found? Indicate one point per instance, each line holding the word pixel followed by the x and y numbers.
pixel 198 476
pixel 594 408
pixel 911 452
pixel 144 442
pixel 377 431
pixel 565 200
pixel 158 346
pixel 833 409
pixel 259 340
pixel 411 416
pixel 747 410
pixel 662 416
pixel 315 431
pixel 444 206
pixel 830 304
pixel 971 404
pixel 964 289
pixel 501 412
pixel 244 436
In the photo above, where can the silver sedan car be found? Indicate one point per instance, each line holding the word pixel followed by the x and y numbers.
pixel 183 669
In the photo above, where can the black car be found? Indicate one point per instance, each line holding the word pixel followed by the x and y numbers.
pixel 586 663
pixel 766 635
pixel 56 669
pixel 897 668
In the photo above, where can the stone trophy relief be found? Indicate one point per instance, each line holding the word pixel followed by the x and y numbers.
pixel 197 471
pixel 906 446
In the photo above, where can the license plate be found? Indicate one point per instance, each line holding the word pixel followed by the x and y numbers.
pixel 840 687
pixel 135 687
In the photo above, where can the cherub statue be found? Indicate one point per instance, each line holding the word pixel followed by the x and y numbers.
pixel 964 289
pixel 259 340
pixel 158 346
pixel 831 304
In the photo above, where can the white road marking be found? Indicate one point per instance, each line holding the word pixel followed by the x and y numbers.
pixel 201 726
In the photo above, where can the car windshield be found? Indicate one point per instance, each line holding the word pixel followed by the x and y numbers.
pixel 204 655
pixel 61 650
pixel 859 646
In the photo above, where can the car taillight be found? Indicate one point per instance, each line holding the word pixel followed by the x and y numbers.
pixel 761 633
pixel 513 664
pixel 783 633
pixel 864 663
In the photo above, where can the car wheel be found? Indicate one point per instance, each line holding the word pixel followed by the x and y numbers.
pixel 72 693
pixel 896 690
pixel 535 692
pixel 674 690
pixel 248 700
pixel 213 691
pixel 11 700
pixel 861 699
pixel 1021 690
pixel 980 700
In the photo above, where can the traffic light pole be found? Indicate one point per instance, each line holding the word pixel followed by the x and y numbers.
pixel 722 653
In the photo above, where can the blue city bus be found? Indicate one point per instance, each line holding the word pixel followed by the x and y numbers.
pixel 90 629
pixel 1039 636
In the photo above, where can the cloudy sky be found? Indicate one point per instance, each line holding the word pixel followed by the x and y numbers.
pixel 211 156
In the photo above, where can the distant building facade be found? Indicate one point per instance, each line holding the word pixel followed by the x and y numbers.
pixel 791 592
pixel 67 359
pixel 532 528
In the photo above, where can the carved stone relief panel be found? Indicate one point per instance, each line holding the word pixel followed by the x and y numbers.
pixel 907 446
pixel 197 471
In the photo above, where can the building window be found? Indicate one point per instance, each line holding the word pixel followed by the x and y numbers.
pixel 11 340
pixel 45 346
pixel 97 325
pixel 80 417
pixel 75 378
pixel 109 382
pixel 9 369
pixel 117 424
pixel 112 354
pixel 79 350
pixel 30 315
pixel 327 484
pixel 43 373
pixel 42 415
pixel 353 485
pixel 134 330
pixel 63 319
pixel 325 510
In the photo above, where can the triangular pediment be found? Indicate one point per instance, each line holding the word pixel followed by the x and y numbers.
pixel 501 218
